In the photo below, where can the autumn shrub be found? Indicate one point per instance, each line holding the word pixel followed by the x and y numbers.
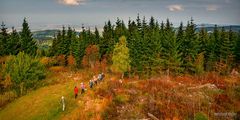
pixel 25 72
pixel 60 60
pixel 71 60
pixel 91 57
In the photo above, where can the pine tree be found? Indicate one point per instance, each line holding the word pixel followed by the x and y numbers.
pixel 139 23
pixel 28 44
pixel 107 43
pixel 171 54
pixel 80 46
pixel 62 42
pixel 53 48
pixel 216 43
pixel 237 49
pixel 190 47
pixel 224 46
pixel 57 44
pixel 121 61
pixel 3 40
pixel 97 36
pixel 14 43
pixel 203 39
pixel 210 60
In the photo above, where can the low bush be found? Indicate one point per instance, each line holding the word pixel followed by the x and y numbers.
pixel 200 116
pixel 24 71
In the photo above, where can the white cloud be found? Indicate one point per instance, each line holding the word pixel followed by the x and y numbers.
pixel 72 2
pixel 212 7
pixel 175 8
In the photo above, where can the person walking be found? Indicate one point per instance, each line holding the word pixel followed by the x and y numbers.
pixel 63 103
pixel 76 92
pixel 83 88
pixel 95 80
pixel 91 84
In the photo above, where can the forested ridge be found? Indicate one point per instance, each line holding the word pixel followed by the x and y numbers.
pixel 153 46
pixel 151 67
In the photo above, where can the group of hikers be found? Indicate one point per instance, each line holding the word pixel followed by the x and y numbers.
pixel 94 81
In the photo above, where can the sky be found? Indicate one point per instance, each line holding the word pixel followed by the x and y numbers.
pixel 44 14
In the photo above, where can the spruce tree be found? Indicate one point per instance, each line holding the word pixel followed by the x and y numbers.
pixel 3 40
pixel 216 43
pixel 14 43
pixel 190 47
pixel 171 53
pixel 97 36
pixel 237 49
pixel 28 44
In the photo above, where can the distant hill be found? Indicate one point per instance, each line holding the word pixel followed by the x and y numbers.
pixel 210 27
pixel 44 34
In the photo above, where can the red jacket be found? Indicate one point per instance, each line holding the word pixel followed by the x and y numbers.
pixel 76 90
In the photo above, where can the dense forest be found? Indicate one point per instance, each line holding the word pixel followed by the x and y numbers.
pixel 153 46
pixel 139 50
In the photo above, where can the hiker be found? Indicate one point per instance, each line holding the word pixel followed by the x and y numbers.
pixel 91 84
pixel 100 76
pixel 95 80
pixel 63 103
pixel 83 88
pixel 76 92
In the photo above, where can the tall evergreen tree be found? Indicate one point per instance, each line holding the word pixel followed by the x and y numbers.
pixel 97 36
pixel 190 47
pixel 28 44
pixel 237 49
pixel 14 43
pixel 171 53
pixel 3 40
pixel 216 43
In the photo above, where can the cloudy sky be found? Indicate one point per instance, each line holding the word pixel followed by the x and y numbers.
pixel 42 13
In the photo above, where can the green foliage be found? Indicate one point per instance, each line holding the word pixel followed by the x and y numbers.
pixel 24 71
pixel 189 47
pixel 237 49
pixel 200 116
pixel 121 61
pixel 28 45
pixel 14 44
pixel 171 49
pixel 107 43
pixel 3 40
pixel 199 63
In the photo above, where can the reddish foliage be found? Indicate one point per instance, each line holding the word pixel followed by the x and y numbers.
pixel 91 58
pixel 214 78
pixel 71 60
pixel 61 59
pixel 222 98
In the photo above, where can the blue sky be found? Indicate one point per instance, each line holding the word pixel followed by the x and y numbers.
pixel 50 13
